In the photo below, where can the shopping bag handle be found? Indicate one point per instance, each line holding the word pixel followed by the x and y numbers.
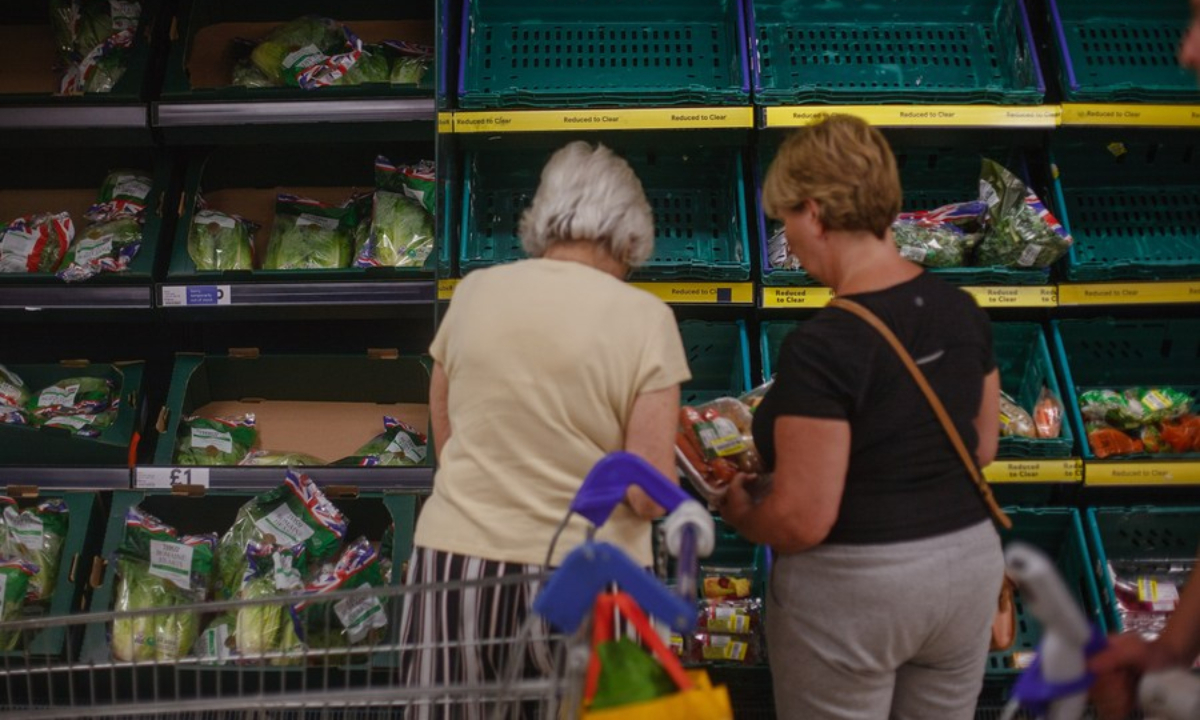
pixel 604 487
pixel 603 618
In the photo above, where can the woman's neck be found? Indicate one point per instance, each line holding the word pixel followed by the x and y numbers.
pixel 864 263
pixel 588 254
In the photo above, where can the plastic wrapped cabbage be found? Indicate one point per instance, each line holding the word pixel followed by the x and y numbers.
pixel 14 587
pixel 1021 231
pixel 13 392
pixel 100 35
pixel 84 424
pixel 36 535
pixel 215 441
pixel 399 445
pixel 295 512
pixel 939 238
pixel 418 181
pixel 71 396
pixel 355 619
pixel 271 571
pixel 36 243
pixel 401 233
pixel 124 193
pixel 309 235
pixel 106 247
pixel 246 74
pixel 372 67
pixel 218 241
pixel 158 569
pixel 296 46
pixel 280 458
pixel 412 62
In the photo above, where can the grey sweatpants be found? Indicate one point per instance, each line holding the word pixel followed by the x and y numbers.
pixel 868 632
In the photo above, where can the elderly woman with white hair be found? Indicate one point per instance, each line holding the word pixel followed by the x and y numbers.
pixel 541 367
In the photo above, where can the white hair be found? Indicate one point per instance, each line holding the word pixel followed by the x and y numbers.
pixel 589 194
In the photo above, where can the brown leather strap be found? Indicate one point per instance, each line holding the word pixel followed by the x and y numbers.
pixel 943 417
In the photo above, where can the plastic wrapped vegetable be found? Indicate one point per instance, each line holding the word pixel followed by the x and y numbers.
pixel 106 247
pixel 295 512
pixel 309 235
pixel 357 618
pixel 271 571
pixel 216 645
pixel 36 535
pixel 216 441
pixel 418 182
pixel 1015 421
pixel 246 74
pixel 1021 231
pixel 401 233
pixel 218 241
pixel 280 458
pixel 36 243
pixel 779 254
pixel 13 392
pixel 124 193
pixel 714 441
pixel 1160 404
pixel 399 445
pixel 1135 407
pixel 939 238
pixel 14 587
pixel 84 424
pixel 412 62
pixel 157 569
pixel 72 396
pixel 1048 414
pixel 1106 441
pixel 301 53
pixel 372 67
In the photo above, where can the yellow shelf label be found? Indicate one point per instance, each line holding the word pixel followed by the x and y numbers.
pixel 1184 472
pixel 445 122
pixel 1127 115
pixel 796 297
pixel 1134 293
pixel 446 288
pixel 1028 116
pixel 613 119
pixel 1035 471
pixel 1015 296
pixel 700 293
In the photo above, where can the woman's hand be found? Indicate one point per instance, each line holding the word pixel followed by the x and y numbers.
pixel 1119 668
pixel 736 504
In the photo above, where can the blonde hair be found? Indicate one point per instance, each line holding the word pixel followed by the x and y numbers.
pixel 589 194
pixel 843 164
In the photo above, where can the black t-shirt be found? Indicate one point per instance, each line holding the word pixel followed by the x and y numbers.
pixel 905 481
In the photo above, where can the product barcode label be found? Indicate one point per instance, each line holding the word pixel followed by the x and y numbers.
pixel 360 615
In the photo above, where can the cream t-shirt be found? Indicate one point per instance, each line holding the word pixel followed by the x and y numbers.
pixel 544 360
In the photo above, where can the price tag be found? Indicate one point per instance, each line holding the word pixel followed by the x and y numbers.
pixel 157 478
pixel 196 295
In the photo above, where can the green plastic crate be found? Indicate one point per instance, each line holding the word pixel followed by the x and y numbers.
pixel 223 20
pixel 1132 207
pixel 1141 533
pixel 1106 353
pixel 588 54
pixel 27 445
pixel 367 515
pixel 1058 532
pixel 697 196
pixel 1113 51
pixel 718 354
pixel 244 181
pixel 71 590
pixel 894 51
pixel 930 177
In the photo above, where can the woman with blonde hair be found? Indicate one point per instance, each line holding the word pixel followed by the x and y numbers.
pixel 541 367
pixel 888 568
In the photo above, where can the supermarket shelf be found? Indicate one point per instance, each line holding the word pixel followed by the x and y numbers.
pixel 77 297
pixel 207 114
pixel 1130 115
pixel 74 117
pixel 197 295
pixel 1068 470
pixel 674 293
pixel 65 478
pixel 1130 293
pixel 1145 473
pixel 938 116
pixel 265 478
pixel 680 118
pixel 998 296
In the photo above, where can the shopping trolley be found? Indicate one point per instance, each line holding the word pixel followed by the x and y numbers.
pixel 214 678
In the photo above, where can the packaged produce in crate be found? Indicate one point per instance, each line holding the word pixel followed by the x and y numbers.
pixel 1044 422
pixel 1139 420
pixel 1146 592
pixel 714 441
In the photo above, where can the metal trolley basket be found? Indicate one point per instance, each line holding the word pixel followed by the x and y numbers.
pixel 363 680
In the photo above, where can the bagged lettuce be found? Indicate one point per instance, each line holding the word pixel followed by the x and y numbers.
pixel 372 67
pixel 401 233
pixel 412 62
pixel 418 182
pixel 105 247
pixel 215 441
pixel 939 238
pixel 1133 408
pixel 124 193
pixel 1021 231
pixel 308 52
pixel 399 445
pixel 355 619
pixel 271 571
pixel 218 241
pixel 103 33
pixel 13 392
pixel 246 74
pixel 158 569
pixel 36 243
pixel 72 396
pixel 309 234
pixel 84 424
pixel 281 459
pixel 36 535
pixel 296 512
pixel 14 588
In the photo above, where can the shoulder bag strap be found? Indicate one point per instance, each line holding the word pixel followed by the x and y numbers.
pixel 943 417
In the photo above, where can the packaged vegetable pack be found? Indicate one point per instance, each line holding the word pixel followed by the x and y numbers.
pixel 15 575
pixel 71 397
pixel 296 512
pixel 350 620
pixel 940 238
pixel 714 441
pixel 1139 419
pixel 215 441
pixel 1015 421
pixel 13 391
pixel 280 458
pixel 309 234
pixel 159 569
pixel 36 243
pixel 308 52
pixel 219 241
pixel 94 39
pixel 418 181
pixel 125 193
pixel 412 62
pixel 271 570
pixel 105 247
pixel 399 445
pixel 1021 231
pixel 779 254
pixel 36 535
